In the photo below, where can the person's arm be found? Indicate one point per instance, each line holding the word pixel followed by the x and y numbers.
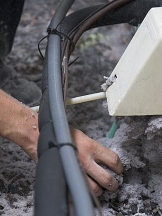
pixel 19 124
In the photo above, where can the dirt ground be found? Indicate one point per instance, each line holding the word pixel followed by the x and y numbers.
pixel 137 140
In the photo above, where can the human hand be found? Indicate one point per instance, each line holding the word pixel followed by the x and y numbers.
pixel 19 124
pixel 91 154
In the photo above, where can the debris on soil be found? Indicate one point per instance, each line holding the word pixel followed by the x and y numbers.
pixel 137 139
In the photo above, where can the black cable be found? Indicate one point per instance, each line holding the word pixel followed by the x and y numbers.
pixel 75 180
pixel 50 189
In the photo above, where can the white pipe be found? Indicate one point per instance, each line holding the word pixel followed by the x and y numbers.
pixel 86 98
pixel 36 108
pixel 80 99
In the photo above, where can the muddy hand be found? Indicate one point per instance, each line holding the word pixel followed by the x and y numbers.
pixel 91 154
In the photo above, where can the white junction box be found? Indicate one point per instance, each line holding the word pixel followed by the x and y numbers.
pixel 137 89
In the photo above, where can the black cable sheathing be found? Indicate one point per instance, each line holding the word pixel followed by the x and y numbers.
pixel 46 138
pixel 132 13
pixel 75 180
pixel 44 110
pixel 50 189
pixel 60 13
pixel 45 73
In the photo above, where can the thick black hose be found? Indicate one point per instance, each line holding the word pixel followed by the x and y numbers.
pixel 132 13
pixel 50 188
pixel 76 182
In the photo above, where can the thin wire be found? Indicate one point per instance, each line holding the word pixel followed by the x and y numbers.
pixel 40 52
pixel 56 32
pixel 72 62
pixel 60 34
pixel 108 7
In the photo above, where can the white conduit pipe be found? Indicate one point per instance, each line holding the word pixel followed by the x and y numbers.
pixel 80 99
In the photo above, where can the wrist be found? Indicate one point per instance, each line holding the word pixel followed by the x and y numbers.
pixel 26 134
pixel 19 124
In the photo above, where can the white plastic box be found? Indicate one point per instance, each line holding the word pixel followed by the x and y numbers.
pixel 137 89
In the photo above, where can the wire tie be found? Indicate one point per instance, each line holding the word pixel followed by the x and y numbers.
pixel 51 145
pixel 60 34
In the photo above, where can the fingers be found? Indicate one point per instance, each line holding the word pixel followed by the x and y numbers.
pixel 101 176
pixel 106 156
pixel 91 154
pixel 101 154
pixel 95 187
